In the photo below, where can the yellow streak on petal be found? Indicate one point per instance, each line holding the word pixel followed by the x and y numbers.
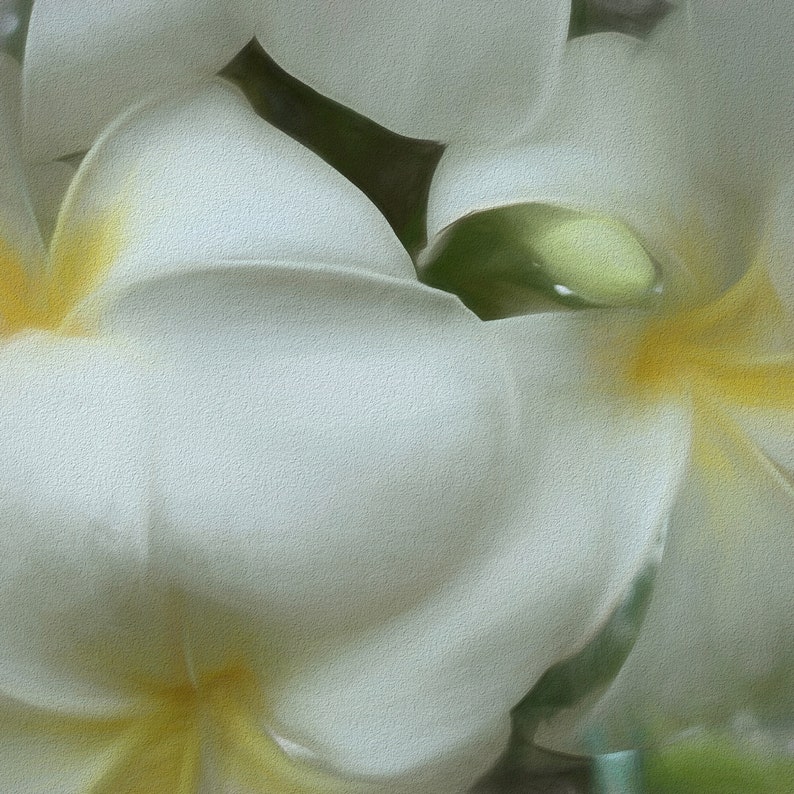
pixel 733 348
pixel 80 260
pixel 45 300
pixel 159 747
pixel 253 758
pixel 19 299
pixel 154 755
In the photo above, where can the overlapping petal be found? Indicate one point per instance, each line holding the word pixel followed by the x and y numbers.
pixel 18 225
pixel 720 620
pixel 500 553
pixel 203 181
pixel 443 71
pixel 85 62
pixel 621 137
pixel 238 488
pixel 745 78
pixel 75 506
pixel 433 70
pixel 232 475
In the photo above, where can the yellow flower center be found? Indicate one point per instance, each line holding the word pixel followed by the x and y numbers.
pixel 733 353
pixel 45 297
pixel 733 350
pixel 167 745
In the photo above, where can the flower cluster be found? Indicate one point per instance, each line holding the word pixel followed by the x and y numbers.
pixel 287 508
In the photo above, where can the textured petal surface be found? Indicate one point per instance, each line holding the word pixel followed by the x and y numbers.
pixel 444 71
pixel 584 514
pixel 343 481
pixel 746 73
pixel 332 410
pixel 204 181
pixel 349 437
pixel 778 249
pixel 18 228
pixel 621 137
pixel 87 60
pixel 47 186
pixel 74 500
pixel 409 526
pixel 717 639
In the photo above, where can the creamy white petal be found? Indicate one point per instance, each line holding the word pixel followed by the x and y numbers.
pixel 585 514
pixel 18 228
pixel 742 60
pixel 351 429
pixel 384 489
pixel 777 251
pixel 74 505
pixel 34 760
pixel 445 71
pixel 717 638
pixel 87 60
pixel 348 438
pixel 47 186
pixel 621 137
pixel 204 181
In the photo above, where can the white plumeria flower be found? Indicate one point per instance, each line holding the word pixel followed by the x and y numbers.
pixel 440 70
pixel 277 517
pixel 628 153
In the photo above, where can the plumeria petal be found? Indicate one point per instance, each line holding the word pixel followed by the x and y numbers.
pixel 398 612
pixel 47 186
pixel 18 229
pixel 63 763
pixel 442 71
pixel 619 138
pixel 777 249
pixel 201 182
pixel 717 637
pixel 347 378
pixel 87 60
pixel 307 396
pixel 554 568
pixel 746 73
pixel 479 68
pixel 75 505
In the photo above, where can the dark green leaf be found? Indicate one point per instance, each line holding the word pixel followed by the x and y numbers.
pixel 485 261
pixel 14 17
pixel 633 17
pixel 393 171
pixel 569 681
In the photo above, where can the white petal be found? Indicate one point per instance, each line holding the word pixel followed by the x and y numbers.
pixel 87 60
pixel 585 514
pixel 204 181
pixel 384 487
pixel 18 228
pixel 746 74
pixel 348 441
pixel 348 428
pixel 778 247
pixel 47 184
pixel 75 504
pixel 34 760
pixel 445 71
pixel 622 138
pixel 717 638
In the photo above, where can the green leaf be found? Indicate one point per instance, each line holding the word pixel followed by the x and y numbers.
pixel 393 171
pixel 715 765
pixel 519 258
pixel 569 681
pixel 633 17
pixel 14 18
